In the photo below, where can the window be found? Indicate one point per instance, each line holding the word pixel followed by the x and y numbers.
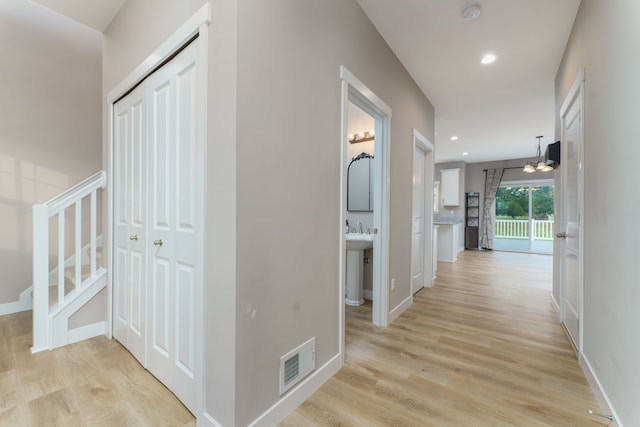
pixel 524 217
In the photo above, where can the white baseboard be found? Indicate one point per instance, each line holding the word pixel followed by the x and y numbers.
pixel 393 314
pixel 555 305
pixel 23 304
pixel 367 294
pixel 207 420
pixel 86 332
pixel 298 394
pixel 598 391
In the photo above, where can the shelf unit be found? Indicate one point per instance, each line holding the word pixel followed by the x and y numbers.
pixel 472 220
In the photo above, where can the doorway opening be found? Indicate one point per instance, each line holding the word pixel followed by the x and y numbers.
pixel 356 93
pixel 525 216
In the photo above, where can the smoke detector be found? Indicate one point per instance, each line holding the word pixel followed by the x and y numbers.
pixel 471 12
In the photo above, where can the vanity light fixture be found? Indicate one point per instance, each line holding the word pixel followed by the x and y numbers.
pixel 540 165
pixel 361 137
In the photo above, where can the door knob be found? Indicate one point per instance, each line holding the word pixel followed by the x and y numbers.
pixel 158 242
pixel 561 235
pixel 133 237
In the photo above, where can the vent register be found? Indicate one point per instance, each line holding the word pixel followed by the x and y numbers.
pixel 297 364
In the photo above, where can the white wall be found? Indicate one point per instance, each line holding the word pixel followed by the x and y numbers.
pixel 605 41
pixel 50 129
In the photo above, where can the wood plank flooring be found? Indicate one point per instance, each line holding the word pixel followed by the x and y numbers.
pixel 483 347
pixel 91 383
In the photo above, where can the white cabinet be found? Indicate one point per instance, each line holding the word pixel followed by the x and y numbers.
pixel 450 187
pixel 449 242
pixel 435 250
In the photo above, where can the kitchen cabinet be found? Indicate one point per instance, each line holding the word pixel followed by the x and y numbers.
pixel 449 234
pixel 450 187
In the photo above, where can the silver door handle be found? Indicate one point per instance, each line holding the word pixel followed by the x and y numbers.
pixel 133 237
pixel 158 242
pixel 561 235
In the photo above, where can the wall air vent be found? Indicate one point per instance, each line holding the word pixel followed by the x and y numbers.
pixel 297 364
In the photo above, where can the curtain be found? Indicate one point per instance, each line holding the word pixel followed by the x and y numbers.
pixel 491 183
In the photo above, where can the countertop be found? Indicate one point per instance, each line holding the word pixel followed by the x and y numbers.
pixel 447 221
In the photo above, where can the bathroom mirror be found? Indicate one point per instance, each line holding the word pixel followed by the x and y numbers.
pixel 360 184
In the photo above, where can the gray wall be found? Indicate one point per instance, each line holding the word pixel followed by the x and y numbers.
pixel 50 129
pixel 284 288
pixel 604 39
pixel 289 56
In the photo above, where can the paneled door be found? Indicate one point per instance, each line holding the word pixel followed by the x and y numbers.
pixel 418 221
pixel 130 213
pixel 168 239
pixel 572 193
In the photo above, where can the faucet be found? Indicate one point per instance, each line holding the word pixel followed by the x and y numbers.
pixel 360 227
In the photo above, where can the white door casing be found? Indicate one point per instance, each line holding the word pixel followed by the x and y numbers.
pixel 353 90
pixel 572 178
pixel 418 220
pixel 422 214
pixel 158 279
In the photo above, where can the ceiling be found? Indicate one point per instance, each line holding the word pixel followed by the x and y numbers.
pixel 496 110
pixel 96 14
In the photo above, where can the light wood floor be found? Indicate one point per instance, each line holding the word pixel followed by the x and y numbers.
pixel 92 383
pixel 483 347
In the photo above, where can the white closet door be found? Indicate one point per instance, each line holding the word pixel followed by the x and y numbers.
pixel 175 219
pixel 129 181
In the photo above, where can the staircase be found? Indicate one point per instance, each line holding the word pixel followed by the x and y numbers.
pixel 59 292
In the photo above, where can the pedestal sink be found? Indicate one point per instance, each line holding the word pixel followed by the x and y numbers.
pixel 356 245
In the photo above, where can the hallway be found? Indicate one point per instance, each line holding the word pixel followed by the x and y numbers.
pixel 483 347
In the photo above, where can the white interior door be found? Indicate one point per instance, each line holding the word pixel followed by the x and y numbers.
pixel 176 203
pixel 418 238
pixel 571 262
pixel 165 174
pixel 129 260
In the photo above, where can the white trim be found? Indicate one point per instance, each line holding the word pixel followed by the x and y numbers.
pixel 85 332
pixel 576 94
pixel 197 24
pixel 528 183
pixel 287 404
pixel 367 294
pixel 353 90
pixel 598 391
pixel 401 308
pixel 163 52
pixel 24 303
pixel 208 421
pixel 556 306
pixel 420 141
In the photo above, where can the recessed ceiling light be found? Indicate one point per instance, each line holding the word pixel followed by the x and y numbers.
pixel 454 138
pixel 489 59
pixel 465 154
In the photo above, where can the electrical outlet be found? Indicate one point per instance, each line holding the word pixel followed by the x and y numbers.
pixel 393 285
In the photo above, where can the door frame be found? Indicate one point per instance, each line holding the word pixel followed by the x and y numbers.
pixel 354 91
pixel 575 95
pixel 421 142
pixel 197 25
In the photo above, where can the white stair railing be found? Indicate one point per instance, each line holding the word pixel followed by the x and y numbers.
pixel 43 314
